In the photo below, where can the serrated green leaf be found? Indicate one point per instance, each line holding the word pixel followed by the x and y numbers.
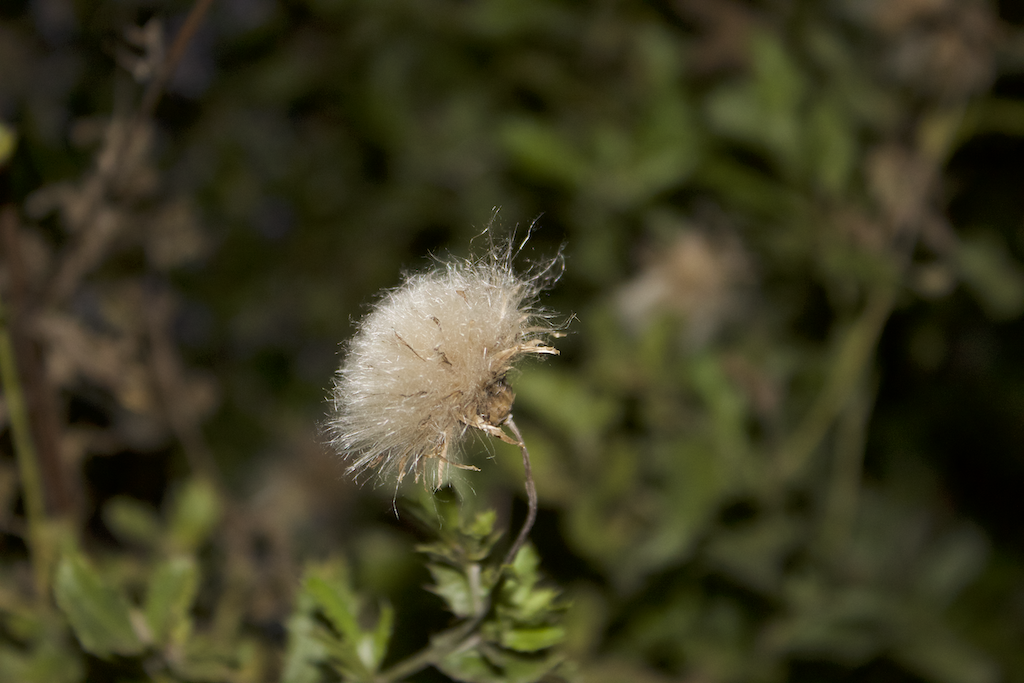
pixel 493 665
pixel 454 588
pixel 196 511
pixel 171 592
pixel 132 521
pixel 530 606
pixel 338 603
pixel 482 525
pixel 98 613
pixel 525 564
pixel 470 666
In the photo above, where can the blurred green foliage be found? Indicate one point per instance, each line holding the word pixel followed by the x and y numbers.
pixel 782 441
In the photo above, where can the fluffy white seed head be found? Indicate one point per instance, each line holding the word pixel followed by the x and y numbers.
pixel 430 361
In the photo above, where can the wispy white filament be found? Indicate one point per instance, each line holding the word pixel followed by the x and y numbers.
pixel 429 361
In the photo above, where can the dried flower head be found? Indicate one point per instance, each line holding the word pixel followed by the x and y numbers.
pixel 431 360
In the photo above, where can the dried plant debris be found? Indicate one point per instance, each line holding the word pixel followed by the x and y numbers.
pixel 699 277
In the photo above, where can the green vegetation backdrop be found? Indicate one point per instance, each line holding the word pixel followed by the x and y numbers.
pixel 784 440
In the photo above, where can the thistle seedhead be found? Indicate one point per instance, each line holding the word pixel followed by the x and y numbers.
pixel 431 360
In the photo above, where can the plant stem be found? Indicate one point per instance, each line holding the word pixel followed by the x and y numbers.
pixel 462 635
pixel 28 466
pixel 845 485
pixel 441 646
pixel 848 370
pixel 173 57
pixel 531 495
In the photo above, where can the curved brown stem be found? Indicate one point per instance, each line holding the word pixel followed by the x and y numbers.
pixel 531 495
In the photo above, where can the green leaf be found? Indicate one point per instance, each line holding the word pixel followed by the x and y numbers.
pixel 354 652
pixel 98 613
pixel 376 643
pixel 454 588
pixel 937 655
pixel 525 565
pixel 764 111
pixel 305 649
pixel 497 666
pixel 543 152
pixel 532 639
pixel 755 553
pixel 171 592
pixel 566 403
pixel 832 147
pixel 48 662
pixel 992 275
pixel 338 603
pixel 470 666
pixel 208 658
pixel 196 511
pixel 8 142
pixel 482 525
pixel 950 563
pixel 132 521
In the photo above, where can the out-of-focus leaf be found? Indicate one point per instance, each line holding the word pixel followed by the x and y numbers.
pixel 532 639
pixel 338 603
pixel 754 554
pixel 46 663
pixel 494 666
pixel 305 648
pixel 992 275
pixel 353 651
pixel 832 147
pixel 764 111
pixel 454 588
pixel 374 646
pixel 848 625
pixel 727 407
pixel 530 602
pixel 937 655
pixel 205 658
pixel 564 401
pixel 195 513
pixel 98 612
pixel 950 563
pixel 8 141
pixel 171 592
pixel 695 480
pixel 132 521
pixel 482 525
pixel 755 192
pixel 543 152
pixel 585 620
pixel 470 666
